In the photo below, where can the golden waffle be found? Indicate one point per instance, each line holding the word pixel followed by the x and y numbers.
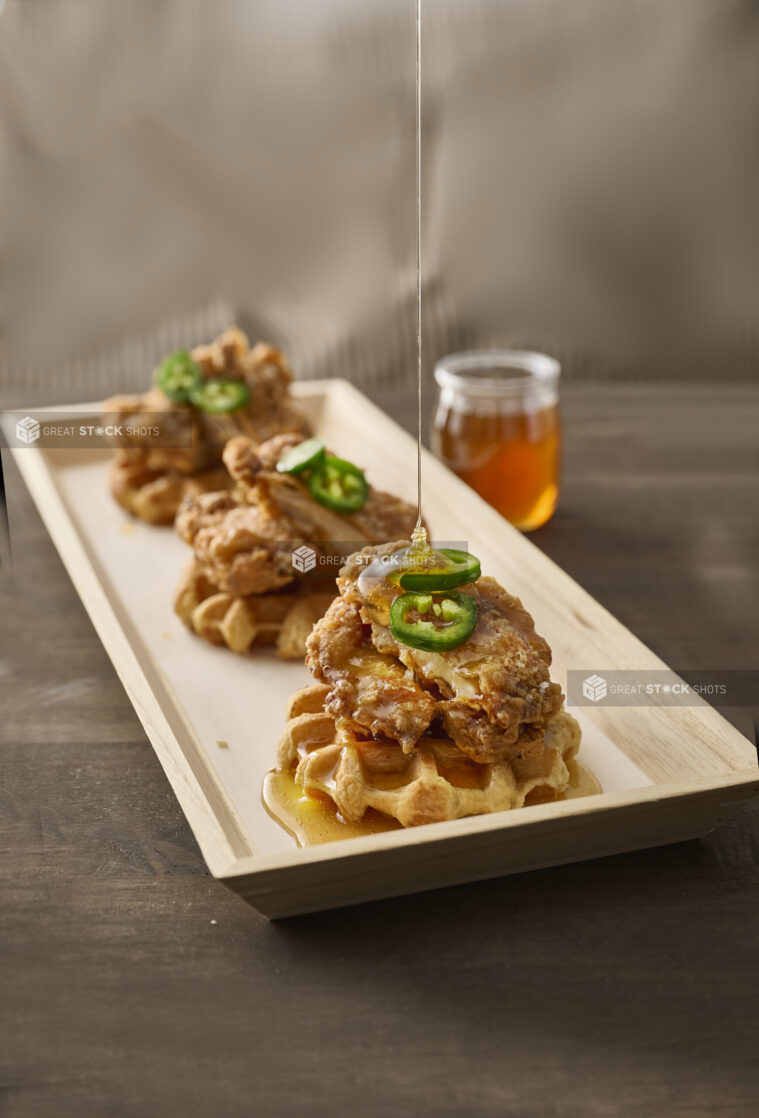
pixel 435 782
pixel 284 619
pixel 155 496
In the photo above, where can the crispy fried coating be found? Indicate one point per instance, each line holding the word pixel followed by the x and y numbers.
pixel 370 692
pixel 254 470
pixel 243 540
pixel 425 737
pixel 493 693
pixel 239 548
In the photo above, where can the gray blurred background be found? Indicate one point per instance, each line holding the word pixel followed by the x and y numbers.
pixel 169 166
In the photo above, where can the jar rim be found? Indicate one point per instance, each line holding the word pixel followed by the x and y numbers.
pixel 467 371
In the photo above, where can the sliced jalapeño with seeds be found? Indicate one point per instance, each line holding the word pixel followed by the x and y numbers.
pixel 220 394
pixel 433 622
pixel 442 569
pixel 338 485
pixel 178 375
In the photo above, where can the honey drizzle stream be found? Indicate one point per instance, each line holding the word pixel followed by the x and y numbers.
pixel 419 543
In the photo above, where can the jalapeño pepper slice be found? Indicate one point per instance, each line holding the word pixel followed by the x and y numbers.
pixel 433 623
pixel 220 394
pixel 443 570
pixel 338 485
pixel 177 376
pixel 304 456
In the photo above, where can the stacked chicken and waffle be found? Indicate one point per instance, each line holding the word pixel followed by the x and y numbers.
pixel 428 705
pixel 290 500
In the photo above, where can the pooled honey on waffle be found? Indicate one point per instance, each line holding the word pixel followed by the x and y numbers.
pixel 313 818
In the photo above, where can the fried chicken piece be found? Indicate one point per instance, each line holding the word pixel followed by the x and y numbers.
pixel 243 540
pixel 266 372
pixel 494 692
pixel 259 482
pixel 369 692
pixel 246 461
pixel 192 440
pixel 206 511
pixel 239 548
pixel 182 447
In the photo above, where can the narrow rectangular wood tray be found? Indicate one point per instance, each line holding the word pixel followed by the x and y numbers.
pixel 668 772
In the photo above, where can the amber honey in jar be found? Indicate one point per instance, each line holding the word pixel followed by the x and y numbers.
pixel 496 425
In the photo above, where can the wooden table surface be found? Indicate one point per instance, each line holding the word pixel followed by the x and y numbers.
pixel 132 984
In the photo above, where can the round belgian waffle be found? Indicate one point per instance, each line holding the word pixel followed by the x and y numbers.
pixel 434 782
pixel 241 622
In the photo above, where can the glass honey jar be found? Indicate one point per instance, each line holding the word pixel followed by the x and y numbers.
pixel 496 424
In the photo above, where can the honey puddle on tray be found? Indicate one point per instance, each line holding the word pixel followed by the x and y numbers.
pixel 313 820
